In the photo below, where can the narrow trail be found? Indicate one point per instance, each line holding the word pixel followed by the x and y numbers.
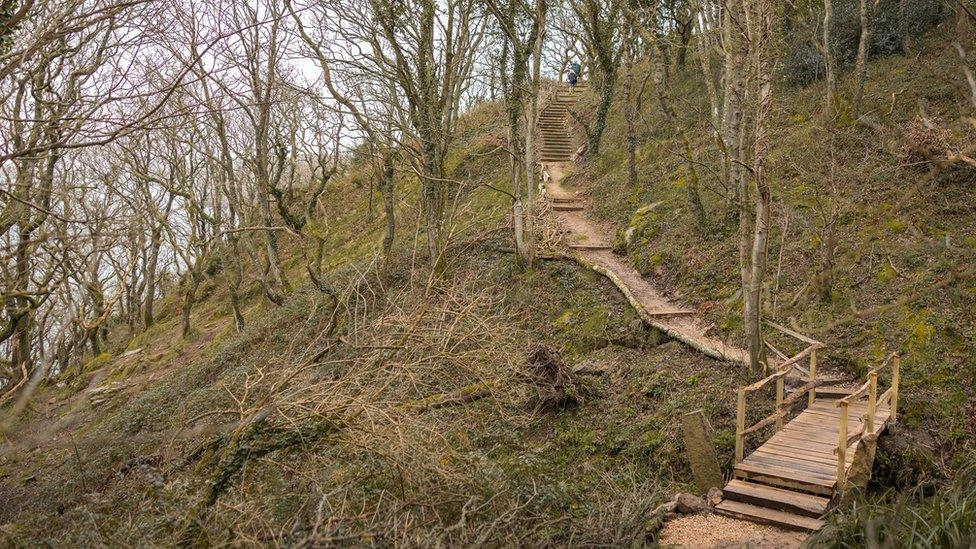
pixel 589 240
pixel 591 246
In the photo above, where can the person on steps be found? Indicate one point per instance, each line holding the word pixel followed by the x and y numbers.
pixel 574 74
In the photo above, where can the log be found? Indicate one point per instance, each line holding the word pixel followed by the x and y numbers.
pixel 464 395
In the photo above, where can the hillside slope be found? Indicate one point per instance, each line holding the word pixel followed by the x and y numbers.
pixel 905 234
pixel 431 412
pixel 311 427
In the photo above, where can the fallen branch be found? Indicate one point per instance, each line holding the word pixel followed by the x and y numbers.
pixel 464 395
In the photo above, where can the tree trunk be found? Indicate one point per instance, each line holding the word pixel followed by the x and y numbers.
pixel 532 114
pixel 600 124
pixel 387 188
pixel 192 281
pixel 829 59
pixel 234 281
pixel 863 48
pixel 150 275
pixel 759 24
pixel 630 115
pixel 731 136
pixel 903 26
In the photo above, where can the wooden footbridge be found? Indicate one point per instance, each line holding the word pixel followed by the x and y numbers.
pixel 823 449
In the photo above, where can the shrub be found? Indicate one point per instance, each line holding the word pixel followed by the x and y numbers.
pixel 803 61
pixel 946 519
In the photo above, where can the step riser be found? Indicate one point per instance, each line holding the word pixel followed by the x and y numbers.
pixel 770 504
pixel 788 484
pixel 813 526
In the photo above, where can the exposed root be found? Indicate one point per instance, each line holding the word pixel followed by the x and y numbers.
pixel 556 384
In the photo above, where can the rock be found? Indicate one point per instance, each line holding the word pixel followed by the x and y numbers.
pixel 629 235
pixel 664 509
pixel 714 496
pixel 102 394
pixel 689 503
pixel 644 210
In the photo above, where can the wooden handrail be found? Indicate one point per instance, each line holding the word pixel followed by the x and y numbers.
pixel 885 397
pixel 861 391
pixel 870 388
pixel 782 403
pixel 789 332
pixel 781 408
pixel 842 445
pixel 762 382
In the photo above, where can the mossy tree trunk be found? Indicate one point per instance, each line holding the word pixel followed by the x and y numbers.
pixel 753 240
pixel 520 88
pixel 600 21
pixel 829 61
pixel 863 47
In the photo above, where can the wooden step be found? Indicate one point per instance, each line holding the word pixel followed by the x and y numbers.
pixel 589 247
pixel 785 478
pixel 567 207
pixel 834 391
pixel 762 515
pixel 771 497
pixel 670 312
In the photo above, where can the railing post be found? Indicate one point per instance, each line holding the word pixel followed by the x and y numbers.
pixel 895 378
pixel 872 401
pixel 740 424
pixel 842 447
pixel 813 377
pixel 779 403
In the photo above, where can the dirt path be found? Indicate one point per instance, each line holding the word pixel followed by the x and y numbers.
pixel 591 245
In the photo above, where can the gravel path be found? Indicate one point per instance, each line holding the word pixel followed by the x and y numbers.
pixel 718 531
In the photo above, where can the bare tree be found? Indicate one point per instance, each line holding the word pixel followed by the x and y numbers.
pixel 520 87
pixel 863 49
pixel 600 21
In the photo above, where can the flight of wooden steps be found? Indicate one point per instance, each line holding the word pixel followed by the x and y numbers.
pixel 557 145
pixel 762 503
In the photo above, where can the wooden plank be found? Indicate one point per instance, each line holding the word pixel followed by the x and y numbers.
pixel 786 471
pixel 805 444
pixel 797 469
pixel 795 466
pixel 775 498
pixel 786 477
pixel 790 484
pixel 669 312
pixel 820 459
pixel 763 515
pixel 820 452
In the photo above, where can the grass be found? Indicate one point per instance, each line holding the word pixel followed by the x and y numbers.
pixel 916 519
